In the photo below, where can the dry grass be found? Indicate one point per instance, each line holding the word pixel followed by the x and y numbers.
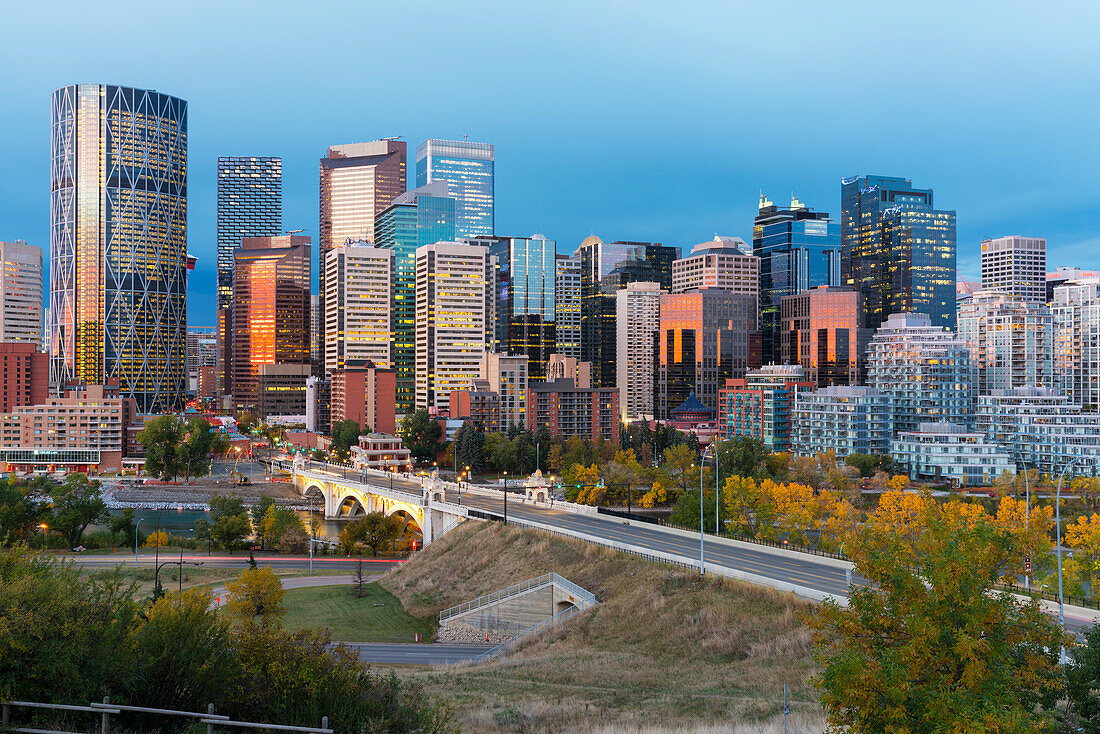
pixel 666 650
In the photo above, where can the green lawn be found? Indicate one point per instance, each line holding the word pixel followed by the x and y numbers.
pixel 377 616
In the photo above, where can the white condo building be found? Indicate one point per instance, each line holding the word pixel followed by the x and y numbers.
pixel 1076 310
pixel 724 262
pixel 1011 341
pixel 925 369
pixel 637 321
pixel 358 306
pixel 21 293
pixel 1016 266
pixel 845 419
pixel 1041 428
pixel 947 451
pixel 455 318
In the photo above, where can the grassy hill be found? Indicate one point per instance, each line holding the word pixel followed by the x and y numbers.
pixel 666 650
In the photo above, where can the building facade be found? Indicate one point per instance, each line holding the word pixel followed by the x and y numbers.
pixel 468 169
pixel 420 217
pixel 250 204
pixel 567 307
pixel 357 182
pixel 365 393
pixel 21 293
pixel 271 318
pixel 84 431
pixel 939 452
pixel 819 329
pixel 562 367
pixel 202 351
pixel 1011 341
pixel 726 263
pixel 759 405
pixel 281 390
pixel 1076 309
pixel 898 250
pixel 706 337
pixel 118 242
pixel 455 312
pixel 567 410
pixel 798 249
pixel 844 419
pixel 506 375
pixel 358 306
pixel 1041 428
pixel 25 376
pixel 637 323
pixel 1017 266
pixel 925 369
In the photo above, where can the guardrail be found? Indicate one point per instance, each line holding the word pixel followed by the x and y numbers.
pixel 108 709
pixel 495 596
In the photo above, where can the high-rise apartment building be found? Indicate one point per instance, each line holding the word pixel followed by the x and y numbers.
pixel 357 182
pixel 566 410
pixel 250 204
pixel 819 329
pixel 1017 266
pixel 606 267
pixel 271 319
pixel 1011 341
pixel 118 242
pixel 567 307
pixel 759 405
pixel 1065 274
pixel 358 306
pixel 798 249
pixel 1076 309
pixel 202 351
pixel 455 311
pixel 844 419
pixel 468 169
pixel 926 369
pixel 637 322
pixel 21 293
pixel 898 250
pixel 364 393
pixel 706 337
pixel 506 376
pixel 525 297
pixel 24 375
pixel 423 216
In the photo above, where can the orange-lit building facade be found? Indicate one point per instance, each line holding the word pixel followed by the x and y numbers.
pixel 271 312
pixel 820 330
pixel 707 336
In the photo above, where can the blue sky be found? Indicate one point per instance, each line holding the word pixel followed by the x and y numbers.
pixel 632 120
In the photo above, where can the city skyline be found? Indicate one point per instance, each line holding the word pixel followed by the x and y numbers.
pixel 1034 186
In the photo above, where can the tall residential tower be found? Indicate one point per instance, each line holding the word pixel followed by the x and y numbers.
pixel 21 293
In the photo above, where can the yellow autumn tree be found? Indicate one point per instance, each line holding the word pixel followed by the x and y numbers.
pixel 901 515
pixel 1033 532
pixel 159 539
pixel 795 512
pixel 1084 537
pixel 839 519
pixel 741 496
pixel 257 592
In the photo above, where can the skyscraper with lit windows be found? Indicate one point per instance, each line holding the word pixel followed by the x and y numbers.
pixel 250 204
pixel 118 242
pixel 898 250
pixel 468 170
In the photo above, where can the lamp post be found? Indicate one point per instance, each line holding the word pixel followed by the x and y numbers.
pixel 136 526
pixel 1027 512
pixel 1058 541
pixel 702 566
pixel 505 498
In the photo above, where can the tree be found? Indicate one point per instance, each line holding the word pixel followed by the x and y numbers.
pixel 680 468
pixel 1083 685
pixel 421 435
pixel 123 522
pixel 229 523
pixel 359 579
pixel 161 438
pixel 255 593
pixel 23 507
pixel 277 523
pixel 928 646
pixel 743 455
pixel 156 539
pixel 345 434
pixel 866 464
pixel 469 442
pixel 257 513
pixel 578 478
pixel 198 442
pixel 374 530
pixel 1084 537
pixel 78 503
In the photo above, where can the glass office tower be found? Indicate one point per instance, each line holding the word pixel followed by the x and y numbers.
pixel 423 216
pixel 898 250
pixel 525 297
pixel 468 169
pixel 118 242
pixel 798 249
pixel 250 204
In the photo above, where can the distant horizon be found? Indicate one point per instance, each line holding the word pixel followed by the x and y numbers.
pixel 594 131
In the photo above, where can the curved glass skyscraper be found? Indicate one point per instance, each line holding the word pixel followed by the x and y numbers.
pixel 118 242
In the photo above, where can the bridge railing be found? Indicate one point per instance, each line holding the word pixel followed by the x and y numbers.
pixel 586 598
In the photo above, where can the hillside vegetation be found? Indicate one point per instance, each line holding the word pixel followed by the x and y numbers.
pixel 665 650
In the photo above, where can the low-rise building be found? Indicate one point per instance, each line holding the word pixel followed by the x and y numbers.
pixel 1041 428
pixel 759 405
pixel 845 419
pixel 366 394
pixel 382 451
pixel 942 451
pixel 478 403
pixel 85 431
pixel 567 410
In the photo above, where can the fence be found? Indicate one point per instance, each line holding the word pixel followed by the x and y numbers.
pixel 628 515
pixel 516 589
pixel 761 541
pixel 107 709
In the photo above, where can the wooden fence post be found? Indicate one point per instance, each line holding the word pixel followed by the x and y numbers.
pixel 105 722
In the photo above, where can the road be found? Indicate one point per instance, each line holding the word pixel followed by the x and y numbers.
pixel 416 654
pixel 279 562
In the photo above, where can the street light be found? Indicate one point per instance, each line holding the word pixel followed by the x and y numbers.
pixel 702 567
pixel 505 498
pixel 1058 540
pixel 1027 514
pixel 138 525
